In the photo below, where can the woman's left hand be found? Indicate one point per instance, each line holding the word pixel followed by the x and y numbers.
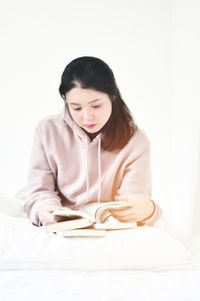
pixel 139 210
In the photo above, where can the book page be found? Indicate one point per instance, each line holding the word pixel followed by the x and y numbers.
pixel 95 211
pixel 113 224
pixel 82 232
pixel 67 225
pixel 100 211
pixel 71 214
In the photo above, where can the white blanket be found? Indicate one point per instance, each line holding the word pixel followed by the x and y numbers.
pixel 144 264
pixel 177 285
pixel 24 246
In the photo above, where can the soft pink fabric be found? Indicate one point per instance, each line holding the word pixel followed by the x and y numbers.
pixel 64 168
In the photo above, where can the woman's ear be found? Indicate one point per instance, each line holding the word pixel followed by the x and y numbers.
pixel 112 98
pixel 64 98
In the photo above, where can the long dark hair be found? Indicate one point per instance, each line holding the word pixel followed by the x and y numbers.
pixel 93 73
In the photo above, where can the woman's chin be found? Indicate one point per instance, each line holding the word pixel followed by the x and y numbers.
pixel 91 134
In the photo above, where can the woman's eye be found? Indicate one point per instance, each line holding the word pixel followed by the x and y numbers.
pixel 96 107
pixel 93 107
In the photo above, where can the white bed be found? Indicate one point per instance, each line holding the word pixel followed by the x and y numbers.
pixel 145 263
pixel 109 285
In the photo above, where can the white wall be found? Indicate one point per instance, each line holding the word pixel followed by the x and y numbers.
pixel 186 117
pixel 143 43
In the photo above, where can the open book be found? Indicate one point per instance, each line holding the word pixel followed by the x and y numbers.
pixel 95 218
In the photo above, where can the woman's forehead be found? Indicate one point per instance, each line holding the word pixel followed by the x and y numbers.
pixel 79 96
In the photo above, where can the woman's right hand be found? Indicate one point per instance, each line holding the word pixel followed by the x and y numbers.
pixel 46 217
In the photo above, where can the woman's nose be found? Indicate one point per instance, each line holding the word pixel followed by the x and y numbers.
pixel 87 115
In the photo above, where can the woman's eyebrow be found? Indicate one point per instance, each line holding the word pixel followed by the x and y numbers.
pixel 78 104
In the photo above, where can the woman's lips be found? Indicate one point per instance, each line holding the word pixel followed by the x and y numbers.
pixel 89 126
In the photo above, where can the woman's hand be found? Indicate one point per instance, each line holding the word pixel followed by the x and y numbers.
pixel 46 217
pixel 139 210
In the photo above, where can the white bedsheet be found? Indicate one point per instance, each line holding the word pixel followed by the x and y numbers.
pixel 25 247
pixel 173 285
pixel 158 268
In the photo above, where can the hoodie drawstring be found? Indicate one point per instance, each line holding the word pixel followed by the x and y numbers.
pixel 99 171
pixel 87 174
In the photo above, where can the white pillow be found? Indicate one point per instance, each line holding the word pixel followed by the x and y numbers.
pixel 24 246
pixel 11 205
pixel 193 244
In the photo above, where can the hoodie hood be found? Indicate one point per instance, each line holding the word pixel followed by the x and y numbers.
pixel 80 134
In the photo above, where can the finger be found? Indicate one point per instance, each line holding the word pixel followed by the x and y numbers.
pixel 46 222
pixel 47 218
pixel 125 217
pixel 120 197
pixel 118 209
pixel 122 212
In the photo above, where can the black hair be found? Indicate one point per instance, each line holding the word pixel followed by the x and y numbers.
pixel 92 73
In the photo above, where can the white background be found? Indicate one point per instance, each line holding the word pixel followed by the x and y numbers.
pixel 153 49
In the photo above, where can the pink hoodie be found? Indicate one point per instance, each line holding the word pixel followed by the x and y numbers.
pixel 67 169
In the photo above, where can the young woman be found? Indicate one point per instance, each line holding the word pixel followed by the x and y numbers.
pixel 92 152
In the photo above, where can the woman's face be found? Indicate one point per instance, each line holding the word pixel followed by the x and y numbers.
pixel 90 109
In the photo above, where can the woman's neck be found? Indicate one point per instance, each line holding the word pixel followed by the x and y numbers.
pixel 92 135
